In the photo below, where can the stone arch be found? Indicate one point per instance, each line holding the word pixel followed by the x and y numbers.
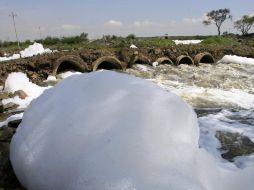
pixel 69 62
pixel 140 59
pixel 164 60
pixel 107 63
pixel 184 59
pixel 203 58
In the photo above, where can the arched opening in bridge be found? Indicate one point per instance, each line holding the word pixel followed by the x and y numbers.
pixel 204 58
pixel 183 59
pixel 107 63
pixel 108 66
pixel 142 60
pixel 69 66
pixel 69 63
pixel 164 60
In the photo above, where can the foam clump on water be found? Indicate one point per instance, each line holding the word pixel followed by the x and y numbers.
pixel 19 81
pixel 50 78
pixel 236 59
pixel 67 74
pixel 111 131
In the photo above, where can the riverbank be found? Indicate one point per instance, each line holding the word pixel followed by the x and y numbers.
pixel 39 67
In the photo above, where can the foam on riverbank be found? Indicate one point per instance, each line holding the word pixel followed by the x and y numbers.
pixel 35 49
pixel 106 130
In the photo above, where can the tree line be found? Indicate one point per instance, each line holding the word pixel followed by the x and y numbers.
pixel 218 17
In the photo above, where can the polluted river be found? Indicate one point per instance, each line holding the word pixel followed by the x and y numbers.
pixel 221 94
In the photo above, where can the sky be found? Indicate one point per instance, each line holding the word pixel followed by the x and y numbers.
pixel 59 18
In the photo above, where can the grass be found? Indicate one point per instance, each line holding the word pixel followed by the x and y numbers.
pixel 221 40
pixel 111 41
pixel 153 42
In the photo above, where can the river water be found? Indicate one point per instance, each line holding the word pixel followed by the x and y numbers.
pixel 223 98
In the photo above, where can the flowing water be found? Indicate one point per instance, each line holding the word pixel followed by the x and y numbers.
pixel 223 98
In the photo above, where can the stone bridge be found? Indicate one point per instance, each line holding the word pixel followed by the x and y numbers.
pixel 39 67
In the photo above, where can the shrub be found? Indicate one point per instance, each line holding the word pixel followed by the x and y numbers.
pixel 219 40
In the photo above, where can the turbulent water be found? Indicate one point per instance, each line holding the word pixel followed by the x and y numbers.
pixel 222 95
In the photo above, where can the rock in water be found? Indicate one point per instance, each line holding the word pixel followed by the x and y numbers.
pixel 111 131
pixel 21 94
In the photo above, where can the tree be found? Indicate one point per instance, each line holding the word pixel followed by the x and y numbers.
pixel 131 37
pixel 83 37
pixel 106 38
pixel 217 17
pixel 244 24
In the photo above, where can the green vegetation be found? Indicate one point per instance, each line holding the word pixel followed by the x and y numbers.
pixel 220 40
pixel 216 17
pixel 153 42
pixel 82 41
pixel 13 45
pixel 116 41
pixel 112 41
pixel 82 38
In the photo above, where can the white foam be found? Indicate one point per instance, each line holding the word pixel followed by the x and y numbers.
pixel 237 60
pixel 19 81
pixel 67 74
pixel 32 50
pixel 244 161
pixel 186 42
pixel 208 96
pixel 142 67
pixel 50 78
pixel 225 121
pixel 133 46
pixel 131 134
pixel 14 56
pixel 11 118
pixel 221 122
pixel 155 64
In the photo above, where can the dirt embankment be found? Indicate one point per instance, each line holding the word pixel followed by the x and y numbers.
pixel 39 67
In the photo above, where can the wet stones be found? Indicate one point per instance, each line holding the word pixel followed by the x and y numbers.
pixel 21 94
pixel 8 179
pixel 4 95
pixel 8 106
pixel 6 134
pixel 234 144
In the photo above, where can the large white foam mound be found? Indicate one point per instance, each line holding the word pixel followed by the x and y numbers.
pixel 110 131
pixel 34 49
pixel 236 59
